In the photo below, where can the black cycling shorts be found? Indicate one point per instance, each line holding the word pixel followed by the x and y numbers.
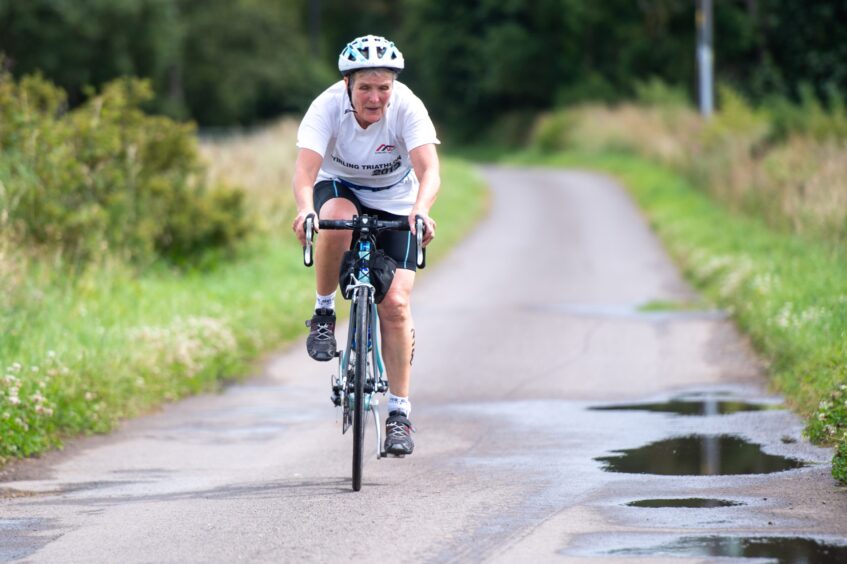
pixel 399 245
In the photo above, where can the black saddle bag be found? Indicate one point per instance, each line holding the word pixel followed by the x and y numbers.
pixel 381 267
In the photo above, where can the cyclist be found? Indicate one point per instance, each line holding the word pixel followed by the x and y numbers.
pixel 367 146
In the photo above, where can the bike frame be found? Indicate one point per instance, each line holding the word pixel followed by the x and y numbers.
pixel 375 381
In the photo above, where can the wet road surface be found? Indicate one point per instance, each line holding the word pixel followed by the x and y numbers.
pixel 557 420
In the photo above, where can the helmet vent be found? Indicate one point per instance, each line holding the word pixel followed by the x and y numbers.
pixel 370 51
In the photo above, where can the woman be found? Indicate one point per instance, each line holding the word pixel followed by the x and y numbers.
pixel 367 145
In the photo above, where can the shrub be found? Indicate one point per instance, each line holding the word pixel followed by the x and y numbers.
pixel 657 93
pixel 107 177
pixel 552 131
pixel 810 117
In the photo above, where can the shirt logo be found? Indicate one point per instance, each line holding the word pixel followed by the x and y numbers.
pixel 385 149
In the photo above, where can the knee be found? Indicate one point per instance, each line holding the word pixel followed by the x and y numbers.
pixel 395 309
pixel 337 208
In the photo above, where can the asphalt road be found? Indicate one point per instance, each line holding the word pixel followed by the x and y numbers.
pixel 532 321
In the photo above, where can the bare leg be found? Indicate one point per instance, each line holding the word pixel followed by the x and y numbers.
pixel 331 245
pixel 397 330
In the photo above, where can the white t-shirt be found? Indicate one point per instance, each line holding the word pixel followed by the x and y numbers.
pixel 376 157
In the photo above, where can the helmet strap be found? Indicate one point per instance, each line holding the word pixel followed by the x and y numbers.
pixel 349 81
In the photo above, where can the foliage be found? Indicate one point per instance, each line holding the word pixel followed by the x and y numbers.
pixel 245 61
pixel 839 461
pixel 554 131
pixel 217 61
pixel 90 42
pixel 655 92
pixel 472 60
pixel 225 62
pixel 829 424
pixel 107 177
pixel 809 117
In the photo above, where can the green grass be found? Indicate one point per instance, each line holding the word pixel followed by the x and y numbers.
pixel 667 305
pixel 788 294
pixel 81 352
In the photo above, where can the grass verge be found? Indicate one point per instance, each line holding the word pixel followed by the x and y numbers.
pixel 80 353
pixel 789 294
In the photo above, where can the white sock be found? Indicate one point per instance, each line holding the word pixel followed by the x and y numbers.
pixel 397 403
pixel 325 302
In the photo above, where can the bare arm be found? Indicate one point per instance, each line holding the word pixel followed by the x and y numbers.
pixel 427 169
pixel 305 173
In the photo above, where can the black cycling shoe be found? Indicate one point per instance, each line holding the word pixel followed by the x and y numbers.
pixel 321 341
pixel 398 434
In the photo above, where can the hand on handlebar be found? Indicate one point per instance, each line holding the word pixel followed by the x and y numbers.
pixel 298 225
pixel 429 225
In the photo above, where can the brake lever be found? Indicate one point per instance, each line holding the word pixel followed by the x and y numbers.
pixel 309 228
pixel 420 229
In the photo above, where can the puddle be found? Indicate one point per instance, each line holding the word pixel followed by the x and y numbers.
pixel 20 538
pixel 689 407
pixel 689 502
pixel 698 455
pixel 776 549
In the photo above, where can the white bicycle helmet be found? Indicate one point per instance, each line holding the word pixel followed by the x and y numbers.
pixel 370 52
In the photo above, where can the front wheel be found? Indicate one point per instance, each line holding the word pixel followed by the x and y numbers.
pixel 360 375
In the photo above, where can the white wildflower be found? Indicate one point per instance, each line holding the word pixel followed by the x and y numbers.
pixel 784 318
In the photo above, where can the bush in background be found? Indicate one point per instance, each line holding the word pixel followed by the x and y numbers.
pixel 106 178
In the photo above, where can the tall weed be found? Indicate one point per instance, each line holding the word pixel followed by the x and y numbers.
pixel 262 163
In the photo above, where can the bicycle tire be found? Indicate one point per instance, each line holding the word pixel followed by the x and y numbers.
pixel 360 374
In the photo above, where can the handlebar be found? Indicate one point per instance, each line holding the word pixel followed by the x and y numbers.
pixel 358 223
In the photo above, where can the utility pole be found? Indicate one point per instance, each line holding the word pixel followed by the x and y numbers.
pixel 705 58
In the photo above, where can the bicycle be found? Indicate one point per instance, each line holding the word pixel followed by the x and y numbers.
pixel 361 374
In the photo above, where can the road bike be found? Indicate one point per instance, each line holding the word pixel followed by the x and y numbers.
pixel 361 374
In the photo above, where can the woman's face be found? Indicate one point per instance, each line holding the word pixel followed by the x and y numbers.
pixel 370 93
